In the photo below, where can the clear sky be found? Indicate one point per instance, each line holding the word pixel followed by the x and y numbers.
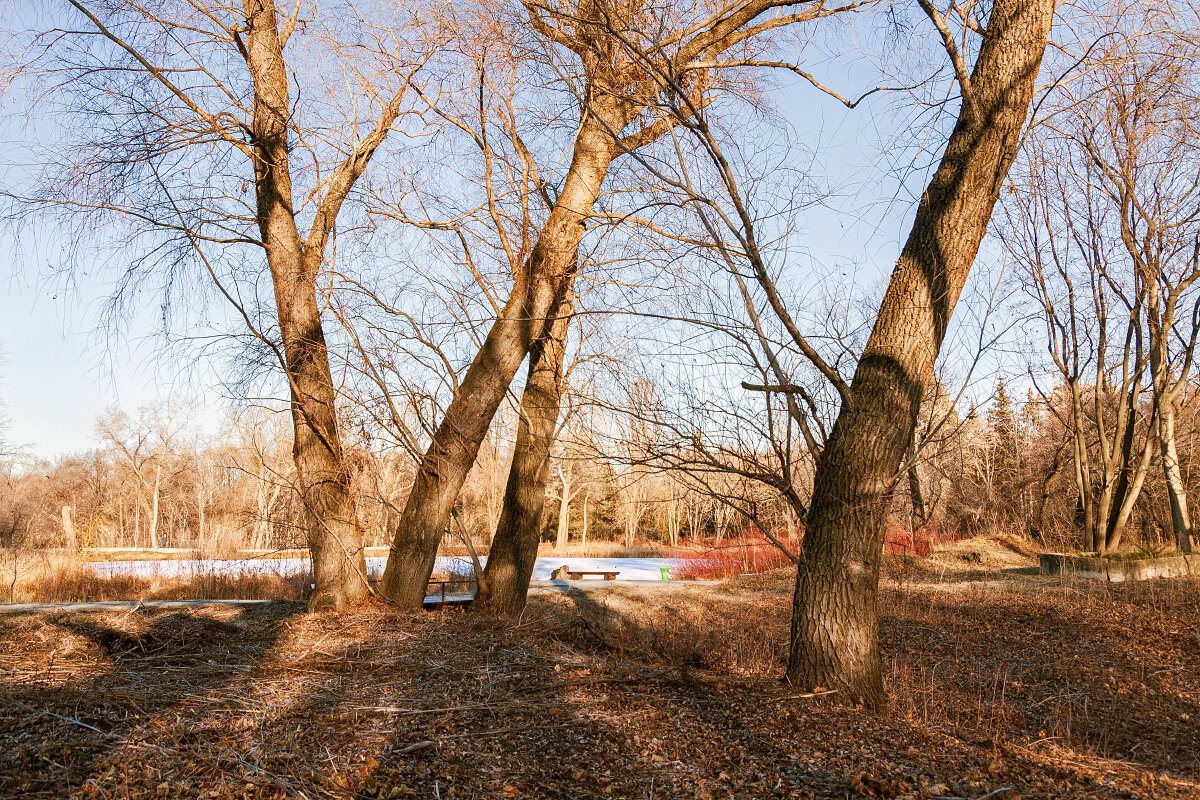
pixel 56 375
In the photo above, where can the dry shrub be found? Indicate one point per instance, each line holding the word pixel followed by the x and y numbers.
pixel 65 577
pixel 732 558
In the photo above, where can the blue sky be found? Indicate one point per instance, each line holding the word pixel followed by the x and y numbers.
pixel 58 374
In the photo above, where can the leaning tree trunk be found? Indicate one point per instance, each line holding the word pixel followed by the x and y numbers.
pixel 334 537
pixel 514 548
pixel 835 641
pixel 543 280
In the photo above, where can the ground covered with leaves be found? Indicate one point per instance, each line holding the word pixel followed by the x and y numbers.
pixel 1003 685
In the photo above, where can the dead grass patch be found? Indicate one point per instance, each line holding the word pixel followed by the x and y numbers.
pixel 65 577
pixel 1008 687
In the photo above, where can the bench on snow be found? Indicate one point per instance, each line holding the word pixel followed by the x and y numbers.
pixel 566 573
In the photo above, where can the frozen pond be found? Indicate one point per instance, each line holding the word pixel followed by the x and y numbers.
pixel 630 569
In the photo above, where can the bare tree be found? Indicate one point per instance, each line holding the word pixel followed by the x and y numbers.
pixel 1112 226
pixel 617 114
pixel 834 643
pixel 229 136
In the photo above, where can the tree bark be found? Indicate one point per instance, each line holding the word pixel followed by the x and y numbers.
pixel 542 283
pixel 564 516
pixel 514 547
pixel 1176 492
pixel 835 641
pixel 334 537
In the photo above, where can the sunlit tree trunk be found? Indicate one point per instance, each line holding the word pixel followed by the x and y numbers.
pixel 835 637
pixel 564 519
pixel 514 548
pixel 334 538
pixel 587 496
pixel 1176 491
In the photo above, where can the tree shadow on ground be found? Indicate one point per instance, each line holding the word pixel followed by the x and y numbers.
pixel 586 697
pixel 142 672
pixel 598 720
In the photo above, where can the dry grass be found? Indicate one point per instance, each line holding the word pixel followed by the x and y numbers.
pixel 66 577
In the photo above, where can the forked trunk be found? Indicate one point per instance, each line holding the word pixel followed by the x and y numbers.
pixel 334 538
pixel 544 280
pixel 835 641
pixel 514 548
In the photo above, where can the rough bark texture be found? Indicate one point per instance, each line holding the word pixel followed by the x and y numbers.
pixel 1162 324
pixel 514 547
pixel 334 538
pixel 541 284
pixel 835 642
pixel 1176 491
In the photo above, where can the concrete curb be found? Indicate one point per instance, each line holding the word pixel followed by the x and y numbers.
pixel 1114 571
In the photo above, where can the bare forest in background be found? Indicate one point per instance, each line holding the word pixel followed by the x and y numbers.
pixel 155 482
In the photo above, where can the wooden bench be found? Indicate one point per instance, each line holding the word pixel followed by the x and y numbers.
pixel 566 573
pixel 453 601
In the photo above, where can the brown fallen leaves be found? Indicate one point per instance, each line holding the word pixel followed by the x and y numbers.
pixel 1023 689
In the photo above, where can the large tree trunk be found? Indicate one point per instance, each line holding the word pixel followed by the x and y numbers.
pixel 334 537
pixel 543 281
pixel 514 547
pixel 835 641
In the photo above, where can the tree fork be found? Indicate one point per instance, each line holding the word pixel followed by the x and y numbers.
pixel 544 278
